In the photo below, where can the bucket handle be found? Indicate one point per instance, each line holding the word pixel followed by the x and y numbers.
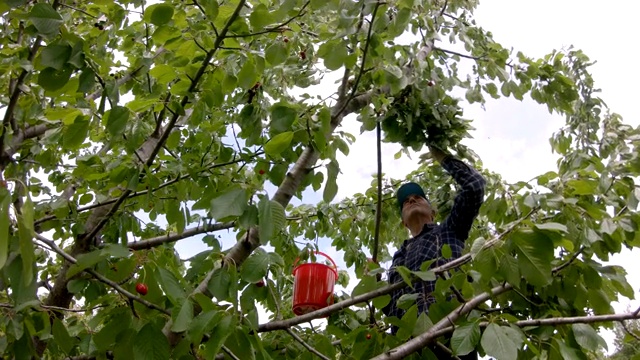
pixel 335 267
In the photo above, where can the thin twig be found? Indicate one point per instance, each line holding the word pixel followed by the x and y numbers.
pixel 306 346
pixel 376 234
pixel 57 308
pixel 79 10
pixel 277 28
pixel 364 59
pixel 628 331
pixel 232 355
pixel 52 245
pixel 446 349
pixel 571 259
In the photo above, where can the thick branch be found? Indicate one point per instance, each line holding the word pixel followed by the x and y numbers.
pixel 157 241
pixel 282 324
pixel 52 245
pixel 427 337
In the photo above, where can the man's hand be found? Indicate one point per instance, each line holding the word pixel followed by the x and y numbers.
pixel 437 153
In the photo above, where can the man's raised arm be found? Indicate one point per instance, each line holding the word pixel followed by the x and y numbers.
pixel 468 201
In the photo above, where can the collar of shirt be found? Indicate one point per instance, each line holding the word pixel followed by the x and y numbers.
pixel 426 229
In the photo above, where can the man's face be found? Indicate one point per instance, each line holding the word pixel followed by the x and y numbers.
pixel 416 207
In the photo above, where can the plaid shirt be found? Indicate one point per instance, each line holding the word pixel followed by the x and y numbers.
pixel 453 231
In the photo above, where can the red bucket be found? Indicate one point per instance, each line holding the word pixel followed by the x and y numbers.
pixel 313 286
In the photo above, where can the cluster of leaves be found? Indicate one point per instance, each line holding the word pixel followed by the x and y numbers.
pixel 182 113
pixel 417 118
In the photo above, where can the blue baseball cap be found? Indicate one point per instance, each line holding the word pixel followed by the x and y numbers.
pixel 408 189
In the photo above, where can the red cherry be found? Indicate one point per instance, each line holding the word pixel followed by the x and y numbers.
pixel 260 283
pixel 261 172
pixel 141 288
pixel 368 336
pixel 286 39
pixel 431 83
pixel 303 55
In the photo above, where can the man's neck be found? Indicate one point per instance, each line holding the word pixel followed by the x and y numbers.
pixel 416 227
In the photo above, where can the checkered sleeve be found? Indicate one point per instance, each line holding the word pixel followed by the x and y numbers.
pixel 467 203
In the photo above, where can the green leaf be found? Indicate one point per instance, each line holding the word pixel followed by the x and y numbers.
pixel 151 344
pixel 278 143
pixel 553 227
pixel 185 317
pixel 477 245
pixel 535 253
pixel 5 201
pixel 334 54
pixel 260 17
pixel 210 8
pixel 55 56
pixel 75 133
pixel 62 337
pixel 45 18
pixel 219 283
pixel 405 274
pixel 171 286
pixel 85 261
pixel 248 75
pixel 465 338
pixel 446 251
pixel 26 233
pixel 231 202
pixel 282 117
pixel 51 79
pixel 117 118
pixel 163 74
pixel 278 216
pixel 425 275
pixel 159 14
pixel 587 337
pixel 218 336
pixel 276 54
pixel 255 267
pixel 381 301
pixel 201 323
pixel 331 187
pixel 496 343
pixel 265 220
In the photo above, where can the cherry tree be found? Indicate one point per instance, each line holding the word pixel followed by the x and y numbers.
pixel 187 112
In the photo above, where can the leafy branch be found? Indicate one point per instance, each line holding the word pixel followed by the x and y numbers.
pixel 144 192
pixel 282 324
pixel 427 337
pixel 278 28
pixel 173 237
pixel 9 120
pixel 44 307
pixel 52 245
pixel 306 346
